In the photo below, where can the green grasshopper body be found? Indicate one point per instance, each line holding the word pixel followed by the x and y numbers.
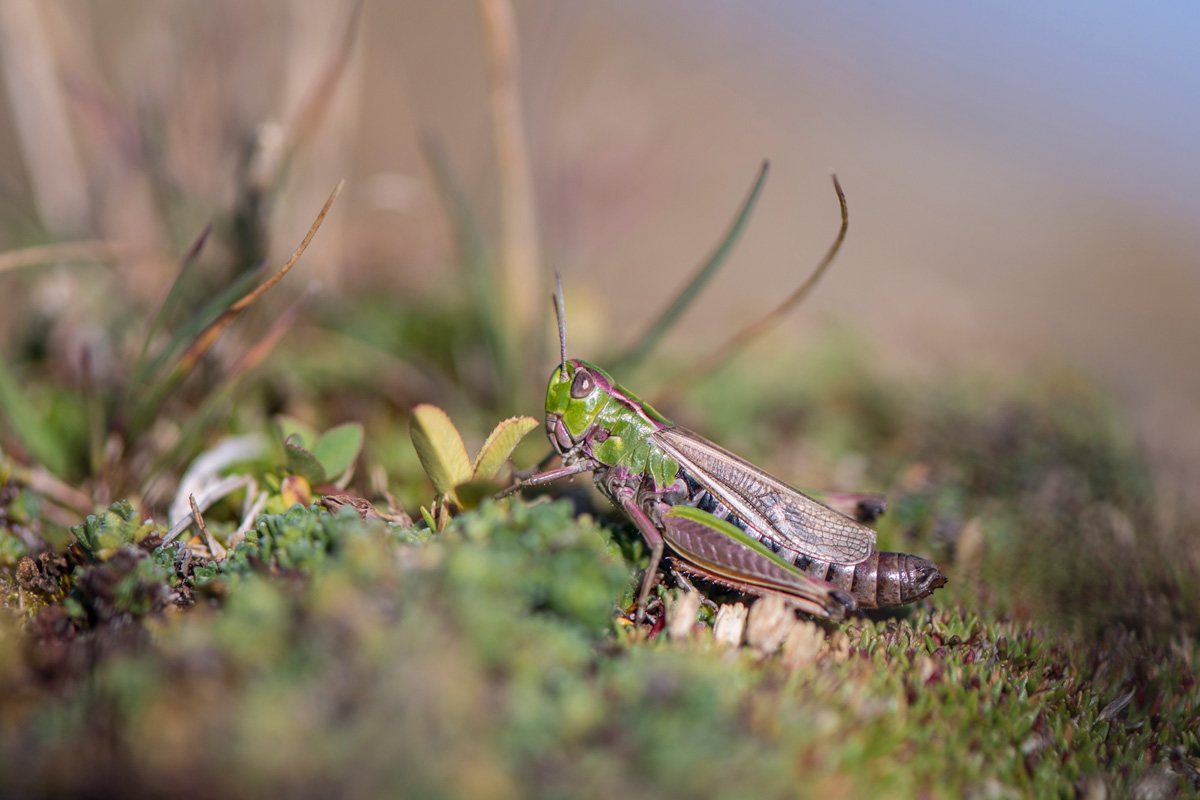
pixel 724 519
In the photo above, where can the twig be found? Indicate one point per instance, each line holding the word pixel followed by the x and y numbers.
pixel 215 492
pixel 214 547
pixel 51 487
pixel 204 470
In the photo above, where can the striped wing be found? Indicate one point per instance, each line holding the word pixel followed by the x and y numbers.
pixel 769 507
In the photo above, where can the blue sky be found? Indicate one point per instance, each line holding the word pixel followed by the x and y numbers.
pixel 1103 89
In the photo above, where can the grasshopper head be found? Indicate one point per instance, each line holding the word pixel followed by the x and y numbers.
pixel 576 394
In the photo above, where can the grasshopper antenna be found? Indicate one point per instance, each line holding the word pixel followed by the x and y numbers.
pixel 562 323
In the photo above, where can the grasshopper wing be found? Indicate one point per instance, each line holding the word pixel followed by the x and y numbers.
pixel 718 551
pixel 775 511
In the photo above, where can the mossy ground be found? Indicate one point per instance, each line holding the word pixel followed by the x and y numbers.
pixel 327 656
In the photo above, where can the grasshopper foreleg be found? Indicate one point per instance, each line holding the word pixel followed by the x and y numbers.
pixel 543 478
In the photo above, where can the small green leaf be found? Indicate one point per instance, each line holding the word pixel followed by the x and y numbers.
pixel 500 445
pixel 338 447
pixel 301 462
pixel 440 448
pixel 425 515
pixel 290 426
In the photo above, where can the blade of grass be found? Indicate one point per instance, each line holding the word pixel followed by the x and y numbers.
pixel 156 389
pixel 94 250
pixel 249 359
pixel 701 366
pixel 520 257
pixel 472 252
pixel 252 356
pixel 209 335
pixel 51 488
pixel 38 438
pixel 315 105
pixel 205 339
pixel 170 303
pixel 632 357
pixel 186 333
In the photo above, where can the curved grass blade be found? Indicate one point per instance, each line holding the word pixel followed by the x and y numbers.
pixel 642 347
pixel 141 369
pixel 472 254
pixel 208 335
pixel 744 337
pixel 314 106
pixel 87 250
pixel 194 324
pixel 222 391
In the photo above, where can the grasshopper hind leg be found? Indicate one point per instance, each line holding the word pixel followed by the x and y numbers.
pixel 657 544
pixel 713 549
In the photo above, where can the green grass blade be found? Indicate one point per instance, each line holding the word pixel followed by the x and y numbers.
pixel 169 305
pixel 29 428
pixel 157 384
pixel 190 329
pixel 755 330
pixel 642 347
pixel 473 255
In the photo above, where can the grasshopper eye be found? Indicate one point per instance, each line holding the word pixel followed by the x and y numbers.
pixel 583 385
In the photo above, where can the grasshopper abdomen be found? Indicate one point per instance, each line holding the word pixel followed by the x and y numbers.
pixel 883 580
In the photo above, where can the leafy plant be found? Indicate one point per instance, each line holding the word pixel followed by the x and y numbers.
pixel 320 458
pixel 459 481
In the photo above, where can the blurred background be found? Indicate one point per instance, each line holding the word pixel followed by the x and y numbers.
pixel 1021 177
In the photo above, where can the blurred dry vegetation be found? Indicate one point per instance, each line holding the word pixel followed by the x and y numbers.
pixel 160 161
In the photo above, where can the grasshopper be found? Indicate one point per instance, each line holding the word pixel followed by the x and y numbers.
pixel 724 519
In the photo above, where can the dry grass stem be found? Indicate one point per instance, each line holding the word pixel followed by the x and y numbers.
pixel 209 335
pixel 89 250
pixel 520 256
pixel 39 114
pixel 214 547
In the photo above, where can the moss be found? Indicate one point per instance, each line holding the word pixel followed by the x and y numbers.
pixel 327 653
